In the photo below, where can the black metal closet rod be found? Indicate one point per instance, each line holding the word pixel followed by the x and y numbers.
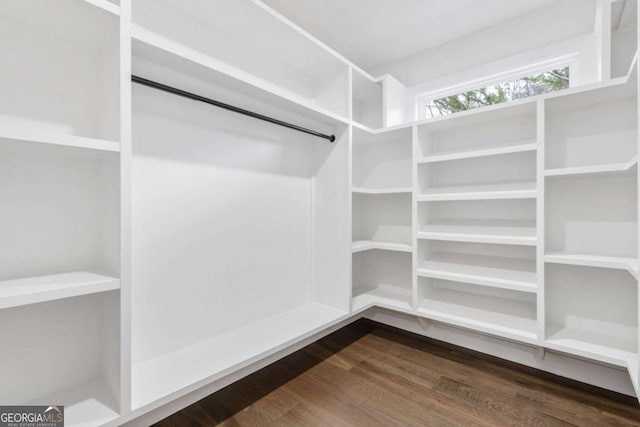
pixel 185 94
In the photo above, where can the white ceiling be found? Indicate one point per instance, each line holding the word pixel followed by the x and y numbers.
pixel 372 33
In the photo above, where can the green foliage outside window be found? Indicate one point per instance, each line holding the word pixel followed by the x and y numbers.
pixel 511 90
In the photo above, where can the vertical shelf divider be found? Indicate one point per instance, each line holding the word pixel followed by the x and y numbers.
pixel 635 376
pixel 540 218
pixel 125 206
pixel 415 143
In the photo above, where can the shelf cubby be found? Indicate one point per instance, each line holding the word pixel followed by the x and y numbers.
pixel 197 29
pixel 382 161
pixel 64 352
pixel 382 222
pixel 367 100
pixel 504 176
pixel 382 276
pixel 60 76
pixel 592 215
pixel 502 130
pixel 592 132
pixel 592 312
pixel 510 222
pixel 497 266
pixel 65 202
pixel 499 312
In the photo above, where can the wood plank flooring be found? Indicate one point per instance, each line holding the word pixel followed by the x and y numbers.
pixel 369 375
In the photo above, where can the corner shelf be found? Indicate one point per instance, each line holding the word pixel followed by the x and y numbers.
pixel 587 260
pixel 489 150
pixel 396 190
pixel 606 169
pixel 14 293
pixel 491 271
pixel 366 245
pixel 152 47
pixel 526 190
pixel 392 297
pixel 508 235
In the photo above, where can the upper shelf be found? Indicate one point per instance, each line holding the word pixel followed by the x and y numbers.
pixel 154 54
pixel 283 60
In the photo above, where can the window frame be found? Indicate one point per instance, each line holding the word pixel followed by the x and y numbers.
pixel 570 61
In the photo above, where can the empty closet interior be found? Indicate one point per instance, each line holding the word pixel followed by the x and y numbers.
pixel 156 248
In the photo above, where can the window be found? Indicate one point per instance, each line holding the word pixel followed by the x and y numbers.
pixel 505 91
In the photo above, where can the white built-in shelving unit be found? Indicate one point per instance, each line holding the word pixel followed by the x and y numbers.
pixel 382 191
pixel 525 224
pixel 60 186
pixel 155 249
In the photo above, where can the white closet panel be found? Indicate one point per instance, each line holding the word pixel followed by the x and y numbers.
pixel 59 75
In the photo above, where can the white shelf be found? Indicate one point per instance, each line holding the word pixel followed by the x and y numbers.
pixel 594 346
pixel 33 135
pixel 86 405
pixel 491 271
pixel 391 297
pixel 607 169
pixel 587 260
pixel 172 55
pixel 366 245
pixel 526 190
pixel 469 153
pixel 516 235
pixel 496 316
pixel 33 290
pixel 192 367
pixel 396 190
pixel 105 5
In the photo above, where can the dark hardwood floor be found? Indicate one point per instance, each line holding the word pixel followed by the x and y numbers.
pixel 369 375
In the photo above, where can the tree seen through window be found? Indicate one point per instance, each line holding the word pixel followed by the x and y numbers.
pixel 511 90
